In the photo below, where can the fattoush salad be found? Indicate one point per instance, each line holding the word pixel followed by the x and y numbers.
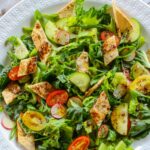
pixel 78 79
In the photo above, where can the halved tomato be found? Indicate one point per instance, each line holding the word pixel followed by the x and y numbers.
pixel 80 143
pixel 34 120
pixel 13 74
pixel 105 34
pixel 129 123
pixel 58 111
pixel 141 84
pixel 57 97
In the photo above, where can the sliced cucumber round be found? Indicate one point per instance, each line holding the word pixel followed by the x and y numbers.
pixel 130 57
pixel 81 80
pixel 56 35
pixel 119 118
pixel 135 33
pixel 138 70
pixel 51 30
pixel 20 50
pixel 62 24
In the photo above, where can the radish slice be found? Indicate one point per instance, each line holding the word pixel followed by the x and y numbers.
pixel 62 37
pixel 7 123
pixel 58 111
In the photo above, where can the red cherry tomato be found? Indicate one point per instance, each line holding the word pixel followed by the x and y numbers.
pixel 105 34
pixel 129 124
pixel 13 74
pixel 117 40
pixel 57 97
pixel 58 111
pixel 80 143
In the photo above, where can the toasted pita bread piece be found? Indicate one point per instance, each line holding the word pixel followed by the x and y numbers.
pixel 110 50
pixel 10 92
pixel 67 11
pixel 27 141
pixel 41 42
pixel 27 66
pixel 82 62
pixel 94 87
pixel 100 109
pixel 42 89
pixel 123 21
pixel 110 56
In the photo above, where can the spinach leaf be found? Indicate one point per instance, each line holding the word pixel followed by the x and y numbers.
pixel 27 40
pixel 4 77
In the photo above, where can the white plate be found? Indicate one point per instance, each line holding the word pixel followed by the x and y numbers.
pixel 19 16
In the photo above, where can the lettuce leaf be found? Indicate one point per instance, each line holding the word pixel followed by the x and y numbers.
pixel 56 131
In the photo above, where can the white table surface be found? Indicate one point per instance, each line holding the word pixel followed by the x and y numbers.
pixel 7 4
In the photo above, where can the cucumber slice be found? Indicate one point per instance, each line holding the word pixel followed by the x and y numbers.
pixel 103 147
pixel 119 118
pixel 121 146
pixel 62 24
pixel 20 50
pixel 56 35
pixel 130 57
pixel 50 30
pixel 138 70
pixel 134 34
pixel 81 80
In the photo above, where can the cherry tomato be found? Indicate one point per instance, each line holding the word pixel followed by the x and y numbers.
pixel 34 120
pixel 141 84
pixel 117 40
pixel 80 143
pixel 58 111
pixel 103 131
pixel 105 34
pixel 13 74
pixel 129 123
pixel 57 97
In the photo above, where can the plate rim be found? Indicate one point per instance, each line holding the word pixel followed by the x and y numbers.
pixel 22 1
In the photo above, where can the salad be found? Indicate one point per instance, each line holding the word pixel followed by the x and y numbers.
pixel 78 79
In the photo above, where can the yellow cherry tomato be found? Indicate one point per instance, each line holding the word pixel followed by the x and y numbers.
pixel 34 120
pixel 141 84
